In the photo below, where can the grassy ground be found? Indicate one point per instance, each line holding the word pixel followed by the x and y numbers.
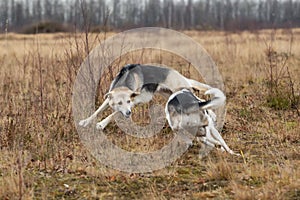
pixel 42 157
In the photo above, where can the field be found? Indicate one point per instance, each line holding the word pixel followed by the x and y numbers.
pixel 42 157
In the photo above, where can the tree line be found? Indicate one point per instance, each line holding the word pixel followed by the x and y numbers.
pixel 176 14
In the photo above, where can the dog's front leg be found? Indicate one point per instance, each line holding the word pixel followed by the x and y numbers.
pixel 88 120
pixel 101 125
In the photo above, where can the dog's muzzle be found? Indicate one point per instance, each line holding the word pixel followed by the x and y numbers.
pixel 127 114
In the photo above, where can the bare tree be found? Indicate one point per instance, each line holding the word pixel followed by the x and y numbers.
pixel 182 14
pixel 37 10
pixel 47 7
pixel 19 15
pixel 58 11
pixel 228 14
pixel 190 14
pixel 4 16
pixel 116 19
pixel 152 13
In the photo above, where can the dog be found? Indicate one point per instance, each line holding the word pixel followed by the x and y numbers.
pixel 136 83
pixel 190 116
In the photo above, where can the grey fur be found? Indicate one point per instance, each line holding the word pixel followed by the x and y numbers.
pixel 187 113
pixel 148 76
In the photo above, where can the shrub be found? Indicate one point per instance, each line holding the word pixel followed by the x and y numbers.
pixel 280 83
pixel 45 27
pixel 98 29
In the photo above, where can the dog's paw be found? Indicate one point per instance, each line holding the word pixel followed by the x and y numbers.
pixel 189 143
pixel 100 126
pixel 232 152
pixel 84 123
pixel 237 154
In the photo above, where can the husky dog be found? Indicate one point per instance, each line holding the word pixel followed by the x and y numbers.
pixel 187 113
pixel 136 84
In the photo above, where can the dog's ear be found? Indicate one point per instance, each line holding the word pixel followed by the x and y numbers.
pixel 108 95
pixel 134 94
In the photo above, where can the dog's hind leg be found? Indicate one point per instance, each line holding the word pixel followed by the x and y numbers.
pixel 88 120
pixel 102 124
pixel 206 147
pixel 207 143
pixel 216 135
pixel 209 137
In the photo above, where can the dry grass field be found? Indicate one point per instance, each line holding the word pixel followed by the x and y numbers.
pixel 42 157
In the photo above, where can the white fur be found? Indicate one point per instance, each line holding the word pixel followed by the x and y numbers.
pixel 212 137
pixel 217 100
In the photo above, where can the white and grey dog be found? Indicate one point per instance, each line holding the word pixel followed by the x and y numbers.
pixel 186 112
pixel 136 84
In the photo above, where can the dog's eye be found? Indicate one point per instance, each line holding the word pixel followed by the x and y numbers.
pixel 128 101
pixel 120 103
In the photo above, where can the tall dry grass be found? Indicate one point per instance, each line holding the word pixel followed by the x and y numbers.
pixel 42 157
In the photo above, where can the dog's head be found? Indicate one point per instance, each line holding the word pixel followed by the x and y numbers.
pixel 121 99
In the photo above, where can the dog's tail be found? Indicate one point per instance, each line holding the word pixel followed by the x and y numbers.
pixel 217 100
pixel 198 86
